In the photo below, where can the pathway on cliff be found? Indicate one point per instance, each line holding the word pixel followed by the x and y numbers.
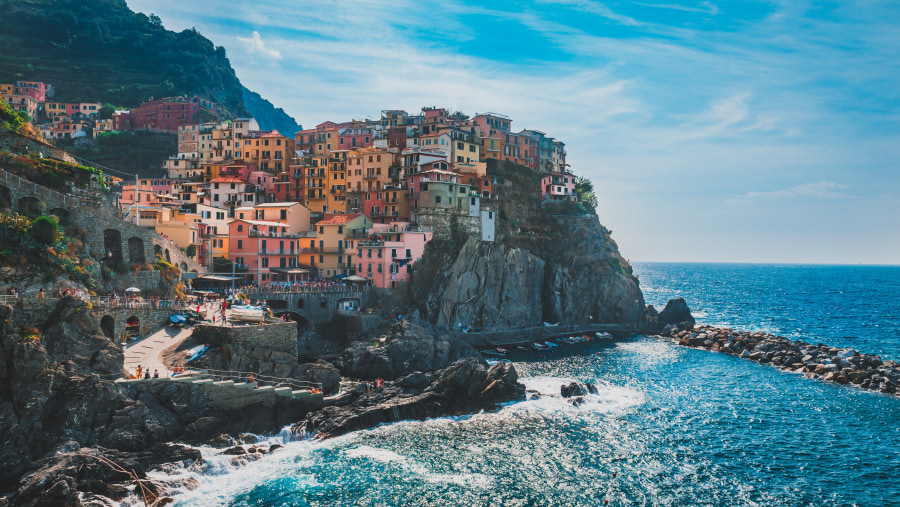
pixel 147 352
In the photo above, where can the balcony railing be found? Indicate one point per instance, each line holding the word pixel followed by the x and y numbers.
pixel 323 250
pixel 371 176
pixel 267 234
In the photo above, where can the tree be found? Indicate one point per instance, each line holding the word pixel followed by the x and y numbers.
pixel 584 189
pixel 155 21
pixel 191 250
pixel 106 111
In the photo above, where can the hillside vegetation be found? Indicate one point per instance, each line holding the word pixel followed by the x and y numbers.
pixel 101 51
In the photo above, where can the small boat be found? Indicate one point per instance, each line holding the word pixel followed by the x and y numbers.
pixel 522 348
pixel 247 313
pixel 567 341
pixel 604 335
pixel 200 349
pixel 492 362
pixel 177 320
pixel 550 344
pixel 540 346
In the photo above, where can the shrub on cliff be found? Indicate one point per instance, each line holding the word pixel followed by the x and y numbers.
pixel 45 230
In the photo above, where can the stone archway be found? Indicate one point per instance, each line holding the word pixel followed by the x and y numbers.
pixel 112 243
pixel 108 326
pixel 5 198
pixel 62 214
pixel 183 266
pixel 157 250
pixel 133 327
pixel 136 250
pixel 31 207
pixel 295 317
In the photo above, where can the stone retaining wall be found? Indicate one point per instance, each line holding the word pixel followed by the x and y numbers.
pixel 109 238
pixel 314 307
pixel 270 349
pixel 225 396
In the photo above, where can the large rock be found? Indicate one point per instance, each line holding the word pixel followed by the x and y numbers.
pixel 675 312
pixel 409 347
pixel 465 386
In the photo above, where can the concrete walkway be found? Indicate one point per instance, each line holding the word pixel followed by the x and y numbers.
pixel 147 351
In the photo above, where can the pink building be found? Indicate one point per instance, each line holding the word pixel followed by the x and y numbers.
pixel 264 180
pixel 352 138
pixel 122 121
pixel 267 250
pixel 34 89
pixel 558 186
pixel 386 257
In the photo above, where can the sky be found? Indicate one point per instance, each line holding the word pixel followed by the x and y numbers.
pixel 724 131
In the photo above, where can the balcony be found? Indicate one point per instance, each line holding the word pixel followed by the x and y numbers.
pixel 371 176
pixel 323 250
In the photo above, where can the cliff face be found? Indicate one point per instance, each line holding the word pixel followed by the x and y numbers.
pixel 551 262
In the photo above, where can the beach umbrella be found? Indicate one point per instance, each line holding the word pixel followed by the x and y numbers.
pixel 132 289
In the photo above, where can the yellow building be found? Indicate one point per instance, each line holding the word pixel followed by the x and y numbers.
pixel 335 244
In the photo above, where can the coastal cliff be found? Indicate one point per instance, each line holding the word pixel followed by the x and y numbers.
pixel 550 262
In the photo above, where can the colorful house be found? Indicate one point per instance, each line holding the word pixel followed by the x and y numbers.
pixel 387 253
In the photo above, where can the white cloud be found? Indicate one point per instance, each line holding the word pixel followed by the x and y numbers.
pixel 255 44
pixel 820 190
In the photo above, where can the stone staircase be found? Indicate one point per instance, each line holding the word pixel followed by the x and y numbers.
pixel 227 394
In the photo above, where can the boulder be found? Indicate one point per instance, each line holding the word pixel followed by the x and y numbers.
pixel 676 312
pixel 573 389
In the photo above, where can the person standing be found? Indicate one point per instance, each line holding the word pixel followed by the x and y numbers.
pixel 41 294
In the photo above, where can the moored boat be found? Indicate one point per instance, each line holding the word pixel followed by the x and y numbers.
pixel 247 313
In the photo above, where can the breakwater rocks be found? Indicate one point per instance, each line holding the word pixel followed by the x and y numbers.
pixel 844 366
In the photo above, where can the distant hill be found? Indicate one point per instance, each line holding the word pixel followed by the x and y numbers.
pixel 268 116
pixel 102 51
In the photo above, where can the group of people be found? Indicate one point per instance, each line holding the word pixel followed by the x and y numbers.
pixel 378 384
pixel 141 373
pixel 315 285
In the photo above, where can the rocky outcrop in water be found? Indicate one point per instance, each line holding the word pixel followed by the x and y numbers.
pixel 844 366
pixel 466 386
pixel 408 347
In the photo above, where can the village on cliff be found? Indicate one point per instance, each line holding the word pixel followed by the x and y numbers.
pixel 358 198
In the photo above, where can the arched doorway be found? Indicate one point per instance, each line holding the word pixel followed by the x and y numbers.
pixel 168 259
pixel 136 250
pixel 112 243
pixel 62 214
pixel 31 207
pixel 157 250
pixel 108 326
pixel 133 328
pixel 294 317
pixel 5 198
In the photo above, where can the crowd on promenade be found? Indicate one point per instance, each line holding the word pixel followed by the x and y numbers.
pixel 298 287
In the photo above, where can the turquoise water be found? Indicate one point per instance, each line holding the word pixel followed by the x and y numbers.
pixel 677 426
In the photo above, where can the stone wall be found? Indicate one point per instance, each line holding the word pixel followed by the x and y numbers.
pixel 449 224
pixel 18 143
pixel 225 395
pixel 109 238
pixel 34 312
pixel 270 349
pixel 314 307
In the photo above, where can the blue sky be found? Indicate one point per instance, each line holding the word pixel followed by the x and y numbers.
pixel 713 131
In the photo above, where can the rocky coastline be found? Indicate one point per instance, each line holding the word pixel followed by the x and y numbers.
pixel 62 415
pixel 820 361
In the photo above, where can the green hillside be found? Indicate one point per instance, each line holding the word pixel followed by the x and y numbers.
pixel 101 51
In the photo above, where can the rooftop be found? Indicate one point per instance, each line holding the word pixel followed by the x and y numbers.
pixel 340 219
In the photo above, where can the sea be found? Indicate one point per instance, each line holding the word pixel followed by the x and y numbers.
pixel 671 426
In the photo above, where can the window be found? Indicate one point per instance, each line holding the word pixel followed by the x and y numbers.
pixel 283 214
pixel 240 228
pixel 240 244
pixel 393 252
pixel 340 230
pixel 379 268
pixel 437 199
pixel 265 262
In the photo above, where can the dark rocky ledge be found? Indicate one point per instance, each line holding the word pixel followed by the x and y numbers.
pixel 466 386
pixel 844 366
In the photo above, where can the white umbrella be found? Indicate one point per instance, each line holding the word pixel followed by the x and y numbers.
pixel 355 278
pixel 132 289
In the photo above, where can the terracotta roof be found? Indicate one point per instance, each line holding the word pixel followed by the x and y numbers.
pixel 227 180
pixel 340 219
